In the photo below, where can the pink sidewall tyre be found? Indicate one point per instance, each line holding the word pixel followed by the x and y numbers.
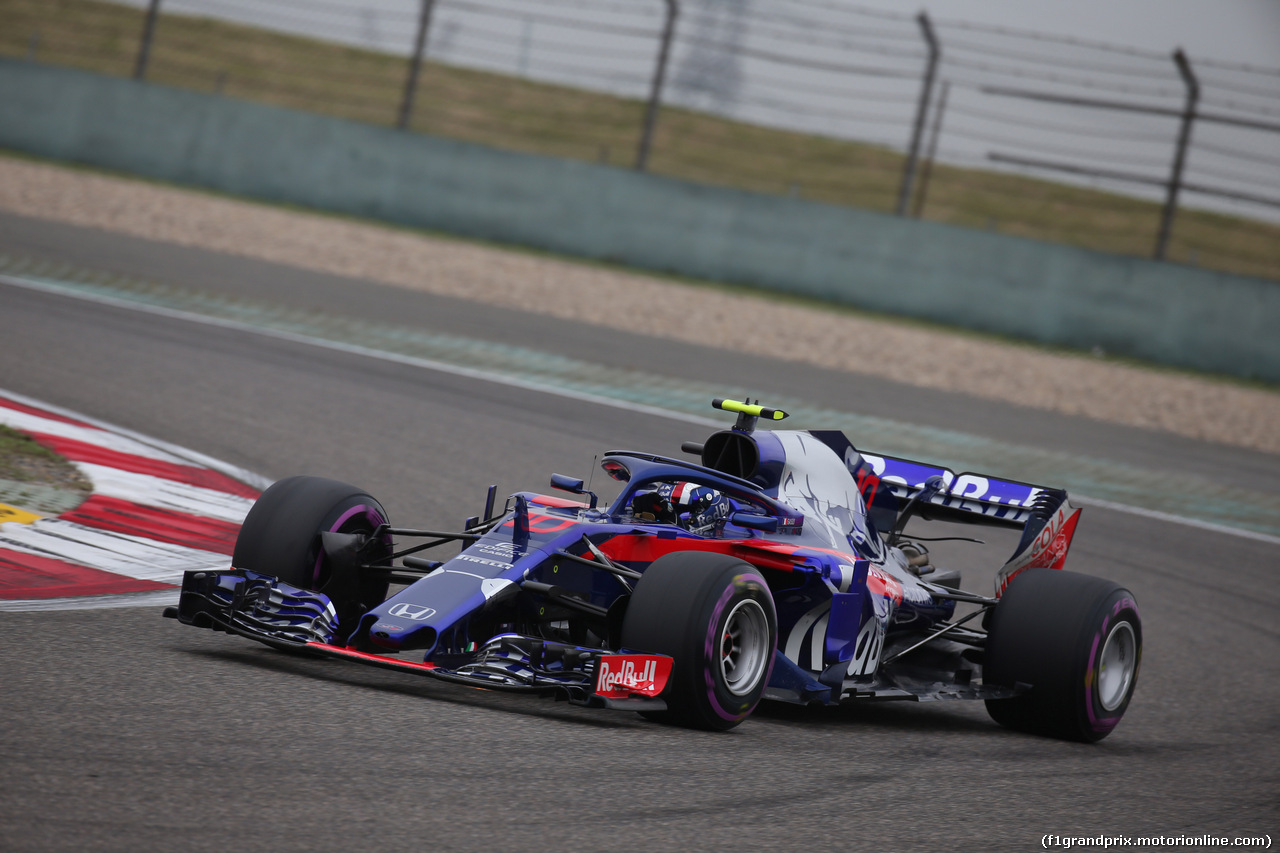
pixel 281 537
pixel 1077 641
pixel 715 616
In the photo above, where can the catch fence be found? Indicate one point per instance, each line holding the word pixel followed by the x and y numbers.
pixel 1157 154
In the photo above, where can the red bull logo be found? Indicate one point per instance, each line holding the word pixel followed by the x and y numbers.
pixel 620 676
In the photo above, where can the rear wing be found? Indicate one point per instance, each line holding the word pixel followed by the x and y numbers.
pixel 887 483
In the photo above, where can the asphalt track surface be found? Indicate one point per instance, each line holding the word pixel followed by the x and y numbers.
pixel 123 731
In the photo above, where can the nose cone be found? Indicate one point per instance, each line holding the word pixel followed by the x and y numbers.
pixel 405 626
pixel 414 617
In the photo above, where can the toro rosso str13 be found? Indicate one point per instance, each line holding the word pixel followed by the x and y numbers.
pixel 775 567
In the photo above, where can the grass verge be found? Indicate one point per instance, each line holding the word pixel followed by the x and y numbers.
pixel 25 462
pixel 515 113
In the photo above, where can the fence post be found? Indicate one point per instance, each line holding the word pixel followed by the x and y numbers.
pixel 655 93
pixel 926 91
pixel 1180 155
pixel 932 151
pixel 415 64
pixel 144 49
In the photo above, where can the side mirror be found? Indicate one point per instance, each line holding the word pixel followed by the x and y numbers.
pixel 567 484
pixel 754 521
pixel 572 485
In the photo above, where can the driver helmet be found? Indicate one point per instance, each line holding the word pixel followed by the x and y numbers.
pixel 697 506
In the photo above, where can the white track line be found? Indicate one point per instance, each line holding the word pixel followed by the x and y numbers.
pixel 353 349
pixel 1176 519
pixel 499 379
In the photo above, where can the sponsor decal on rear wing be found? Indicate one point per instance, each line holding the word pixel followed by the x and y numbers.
pixel 1047 519
pixel 1046 516
pixel 1045 539
pixel 888 482
pixel 1008 501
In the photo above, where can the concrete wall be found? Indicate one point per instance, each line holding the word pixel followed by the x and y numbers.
pixel 1022 288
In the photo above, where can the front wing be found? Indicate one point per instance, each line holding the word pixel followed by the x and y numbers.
pixel 262 608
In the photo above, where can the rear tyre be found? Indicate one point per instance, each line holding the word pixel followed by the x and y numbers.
pixel 1077 640
pixel 281 537
pixel 715 616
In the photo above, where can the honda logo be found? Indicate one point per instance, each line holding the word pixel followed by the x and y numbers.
pixel 416 612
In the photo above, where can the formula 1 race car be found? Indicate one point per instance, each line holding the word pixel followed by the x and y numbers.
pixel 775 568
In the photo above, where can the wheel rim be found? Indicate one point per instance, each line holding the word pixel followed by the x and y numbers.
pixel 1117 665
pixel 361 518
pixel 744 647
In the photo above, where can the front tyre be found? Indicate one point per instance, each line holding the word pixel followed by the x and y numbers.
pixel 1077 640
pixel 715 616
pixel 281 537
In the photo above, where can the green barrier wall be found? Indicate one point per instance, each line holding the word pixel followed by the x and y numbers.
pixel 1021 288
